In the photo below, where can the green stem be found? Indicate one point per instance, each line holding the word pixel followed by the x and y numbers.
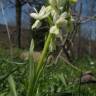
pixel 33 85
pixel 40 65
pixel 44 53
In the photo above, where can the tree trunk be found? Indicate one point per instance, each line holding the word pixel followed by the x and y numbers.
pixel 18 23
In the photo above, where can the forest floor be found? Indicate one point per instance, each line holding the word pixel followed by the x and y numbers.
pixel 70 74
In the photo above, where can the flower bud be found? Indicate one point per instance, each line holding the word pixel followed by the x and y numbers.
pixel 73 1
pixel 60 4
pixel 53 3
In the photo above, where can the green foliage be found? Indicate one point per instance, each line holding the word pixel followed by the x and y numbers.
pixel 55 80
pixel 12 86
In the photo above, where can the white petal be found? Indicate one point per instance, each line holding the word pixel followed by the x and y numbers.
pixel 37 24
pixel 54 30
pixel 34 15
pixel 42 9
pixel 45 12
pixel 64 15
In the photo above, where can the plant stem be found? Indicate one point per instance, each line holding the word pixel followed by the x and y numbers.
pixel 44 53
pixel 40 65
pixel 33 83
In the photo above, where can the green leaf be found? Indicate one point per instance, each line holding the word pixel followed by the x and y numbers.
pixel 31 47
pixel 12 85
pixel 31 70
pixel 61 77
pixel 2 94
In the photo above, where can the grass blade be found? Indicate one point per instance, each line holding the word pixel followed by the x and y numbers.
pixel 12 85
pixel 31 70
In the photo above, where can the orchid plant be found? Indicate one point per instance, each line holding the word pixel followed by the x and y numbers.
pixel 58 15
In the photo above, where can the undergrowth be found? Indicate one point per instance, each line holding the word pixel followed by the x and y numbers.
pixel 57 79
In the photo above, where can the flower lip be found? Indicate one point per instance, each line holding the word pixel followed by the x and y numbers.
pixel 54 30
pixel 37 24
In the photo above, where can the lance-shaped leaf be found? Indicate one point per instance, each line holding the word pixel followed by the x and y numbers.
pixel 12 85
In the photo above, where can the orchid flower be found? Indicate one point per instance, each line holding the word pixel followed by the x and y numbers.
pixel 37 24
pixel 62 19
pixel 43 13
pixel 54 30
